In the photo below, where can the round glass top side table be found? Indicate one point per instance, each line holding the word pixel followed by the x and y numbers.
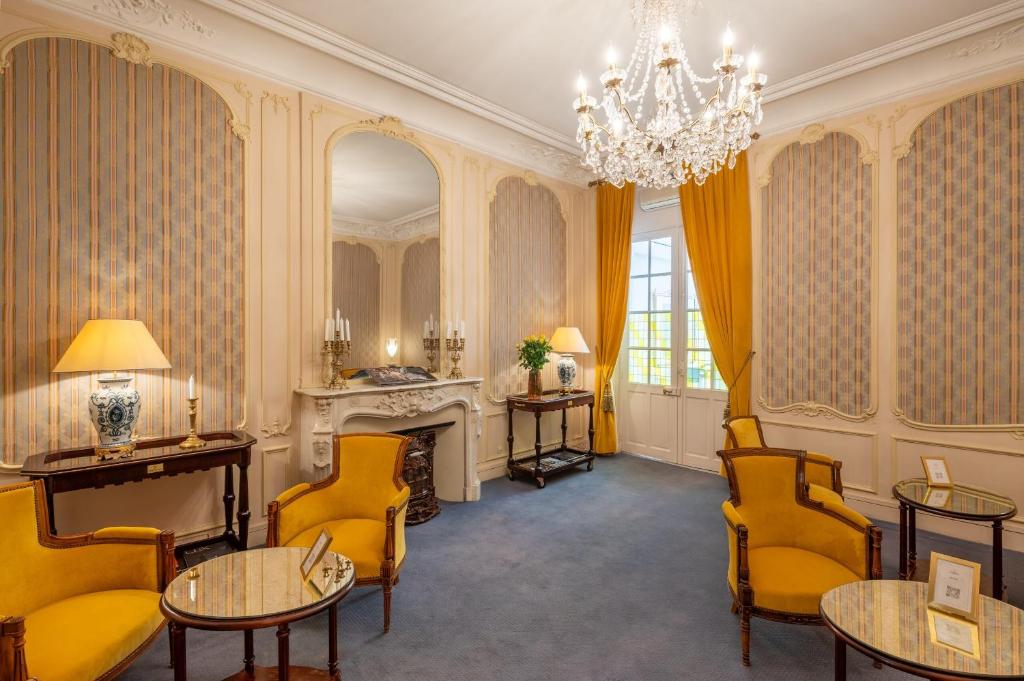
pixel 255 589
pixel 960 502
pixel 889 621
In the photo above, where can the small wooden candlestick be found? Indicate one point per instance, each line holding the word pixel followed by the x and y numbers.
pixel 193 441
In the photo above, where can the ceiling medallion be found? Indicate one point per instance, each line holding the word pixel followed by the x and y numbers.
pixel 688 135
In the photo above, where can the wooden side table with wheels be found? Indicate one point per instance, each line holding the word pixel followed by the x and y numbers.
pixel 541 465
pixel 254 590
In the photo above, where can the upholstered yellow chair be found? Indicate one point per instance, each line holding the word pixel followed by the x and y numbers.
pixel 362 504
pixel 75 607
pixel 789 543
pixel 823 471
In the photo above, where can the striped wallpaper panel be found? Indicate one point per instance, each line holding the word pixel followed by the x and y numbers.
pixel 817 250
pixel 961 246
pixel 121 195
pixel 527 278
pixel 421 297
pixel 356 292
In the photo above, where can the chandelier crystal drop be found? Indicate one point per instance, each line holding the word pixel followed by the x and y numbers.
pixel 692 132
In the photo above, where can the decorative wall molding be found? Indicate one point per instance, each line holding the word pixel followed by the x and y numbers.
pixel 131 48
pixel 567 165
pixel 420 224
pixel 147 12
pixel 274 429
pixel 1007 38
pixel 898 49
pixel 875 458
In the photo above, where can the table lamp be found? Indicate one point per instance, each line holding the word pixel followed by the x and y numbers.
pixel 567 340
pixel 113 345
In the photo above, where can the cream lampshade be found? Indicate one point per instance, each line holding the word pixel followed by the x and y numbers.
pixel 567 340
pixel 113 345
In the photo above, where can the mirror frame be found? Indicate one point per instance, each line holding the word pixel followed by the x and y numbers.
pixel 388 126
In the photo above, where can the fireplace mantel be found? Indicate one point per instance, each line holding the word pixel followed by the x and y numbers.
pixel 325 412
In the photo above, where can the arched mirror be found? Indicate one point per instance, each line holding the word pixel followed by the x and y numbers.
pixel 385 248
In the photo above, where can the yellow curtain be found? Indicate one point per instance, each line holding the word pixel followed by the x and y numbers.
pixel 614 229
pixel 716 219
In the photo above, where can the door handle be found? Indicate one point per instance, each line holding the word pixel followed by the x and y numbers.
pixel 670 391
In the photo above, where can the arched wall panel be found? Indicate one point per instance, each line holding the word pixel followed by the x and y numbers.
pixel 817 275
pixel 121 190
pixel 960 253
pixel 527 277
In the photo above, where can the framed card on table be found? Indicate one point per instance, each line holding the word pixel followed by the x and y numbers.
pixel 954 586
pixel 936 471
pixel 315 554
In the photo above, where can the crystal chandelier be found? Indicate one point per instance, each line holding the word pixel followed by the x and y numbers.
pixel 688 136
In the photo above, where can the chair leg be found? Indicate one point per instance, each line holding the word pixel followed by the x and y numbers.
pixel 387 606
pixel 170 643
pixel 745 634
pixel 735 607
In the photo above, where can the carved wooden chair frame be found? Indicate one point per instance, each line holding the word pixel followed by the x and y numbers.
pixel 389 569
pixel 743 602
pixel 733 443
pixel 13 664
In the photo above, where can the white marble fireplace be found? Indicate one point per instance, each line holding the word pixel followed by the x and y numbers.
pixel 367 407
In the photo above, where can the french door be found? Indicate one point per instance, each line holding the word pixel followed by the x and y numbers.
pixel 670 394
pixel 649 396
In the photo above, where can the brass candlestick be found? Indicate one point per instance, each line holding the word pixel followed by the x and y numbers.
pixel 334 354
pixel 193 441
pixel 431 345
pixel 455 347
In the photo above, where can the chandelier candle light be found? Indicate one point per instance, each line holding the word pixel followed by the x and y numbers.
pixel 688 136
pixel 337 344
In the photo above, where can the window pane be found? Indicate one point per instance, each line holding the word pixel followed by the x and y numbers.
pixel 638 263
pixel 698 369
pixel 661 367
pixel 637 366
pixel 638 330
pixel 638 294
pixel 661 292
pixel 661 330
pixel 661 255
pixel 717 382
pixel 696 339
pixel 691 293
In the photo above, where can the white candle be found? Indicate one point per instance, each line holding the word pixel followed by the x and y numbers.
pixel 348 330
pixel 192 387
pixel 426 329
pixel 328 329
pixel 337 318
pixel 448 330
pixel 462 328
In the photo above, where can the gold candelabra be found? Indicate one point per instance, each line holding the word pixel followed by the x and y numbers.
pixel 432 346
pixel 193 441
pixel 334 352
pixel 455 347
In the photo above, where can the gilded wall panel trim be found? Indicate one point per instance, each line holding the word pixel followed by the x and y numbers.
pixel 526 276
pixel 817 310
pixel 960 248
pixel 122 193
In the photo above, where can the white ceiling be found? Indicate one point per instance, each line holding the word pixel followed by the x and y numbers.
pixel 524 55
pixel 381 180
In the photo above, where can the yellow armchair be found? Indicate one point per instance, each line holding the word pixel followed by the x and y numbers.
pixel 822 471
pixel 362 504
pixel 789 543
pixel 75 607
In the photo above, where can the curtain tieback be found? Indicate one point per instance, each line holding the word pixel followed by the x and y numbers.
pixel 607 398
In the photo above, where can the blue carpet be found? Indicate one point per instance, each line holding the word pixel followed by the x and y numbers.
pixel 617 574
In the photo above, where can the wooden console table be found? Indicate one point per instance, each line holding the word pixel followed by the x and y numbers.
pixel 542 465
pixel 64 470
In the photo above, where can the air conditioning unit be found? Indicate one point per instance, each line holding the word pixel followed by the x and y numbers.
pixel 655 199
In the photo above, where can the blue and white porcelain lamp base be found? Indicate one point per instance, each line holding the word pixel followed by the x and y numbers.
pixel 566 373
pixel 114 409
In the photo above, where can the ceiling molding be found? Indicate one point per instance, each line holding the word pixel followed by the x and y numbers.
pixel 314 35
pixel 898 49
